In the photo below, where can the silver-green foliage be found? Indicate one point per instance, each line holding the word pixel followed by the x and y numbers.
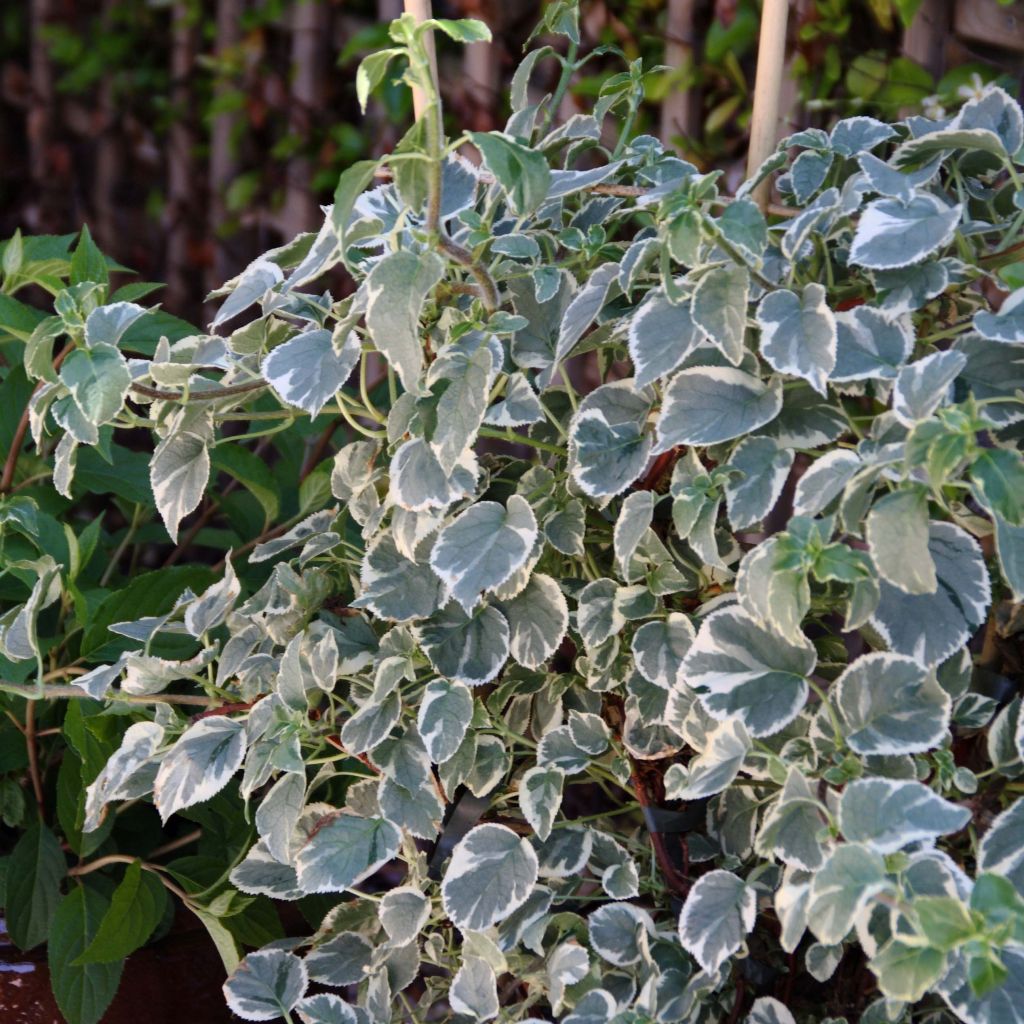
pixel 749 556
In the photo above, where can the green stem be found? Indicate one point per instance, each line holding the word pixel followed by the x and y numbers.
pixel 513 438
pixel 568 69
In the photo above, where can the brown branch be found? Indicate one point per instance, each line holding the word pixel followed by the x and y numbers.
pixel 198 396
pixel 676 882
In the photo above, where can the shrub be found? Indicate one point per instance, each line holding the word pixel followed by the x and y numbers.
pixel 652 697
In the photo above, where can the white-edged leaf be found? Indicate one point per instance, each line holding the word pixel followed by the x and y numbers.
pixel 634 519
pixel 585 306
pixel 540 797
pixel 922 386
pixel 849 878
pixel 470 649
pixel 537 618
pixel 1002 846
pixel 619 932
pixel 661 335
pixel 482 548
pixel 127 773
pixel 739 667
pixel 403 912
pixel 518 406
pixel 178 473
pixel 396 588
pixel 892 233
pixel 714 768
pixel 707 404
pixel 325 1008
pixel 465 372
pixel 824 480
pixel 931 627
pixel 199 765
pixel 798 334
pixel 719 309
pixel 1007 325
pixel 250 286
pixel 396 289
pixel 99 379
pixel 660 647
pixel 444 716
pixel 764 467
pixel 887 814
pixel 343 850
pixel 307 370
pixel 718 913
pixel 266 985
pixel 767 1010
pixel 897 534
pixel 107 324
pixel 419 484
pixel 792 827
pixel 474 990
pixel 870 345
pixel 889 705
pixel 491 874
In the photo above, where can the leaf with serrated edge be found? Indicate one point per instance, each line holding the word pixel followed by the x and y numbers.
pixel 491 873
pixel 718 913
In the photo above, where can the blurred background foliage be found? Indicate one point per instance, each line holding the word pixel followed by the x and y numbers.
pixel 193 134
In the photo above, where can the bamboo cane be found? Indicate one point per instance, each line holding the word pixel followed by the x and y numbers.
pixel 764 122
pixel 420 10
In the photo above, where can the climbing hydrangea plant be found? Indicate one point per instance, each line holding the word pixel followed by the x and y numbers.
pixel 622 667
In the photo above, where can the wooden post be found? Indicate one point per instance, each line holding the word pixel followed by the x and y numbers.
pixel 764 122
pixel 420 10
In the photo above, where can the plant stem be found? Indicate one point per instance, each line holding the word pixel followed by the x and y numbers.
pixel 513 438
pixel 32 693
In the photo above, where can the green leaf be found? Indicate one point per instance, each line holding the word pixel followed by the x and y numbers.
pixel 998 478
pixel 462 30
pixel 252 473
pixel 83 992
pixel 521 172
pixel 87 262
pixel 135 910
pixel 944 921
pixel 906 972
pixel 35 871
pixel 371 72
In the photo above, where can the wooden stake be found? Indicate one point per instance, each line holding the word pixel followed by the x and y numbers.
pixel 764 122
pixel 420 10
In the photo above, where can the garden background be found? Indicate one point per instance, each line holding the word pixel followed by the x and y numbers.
pixel 192 135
